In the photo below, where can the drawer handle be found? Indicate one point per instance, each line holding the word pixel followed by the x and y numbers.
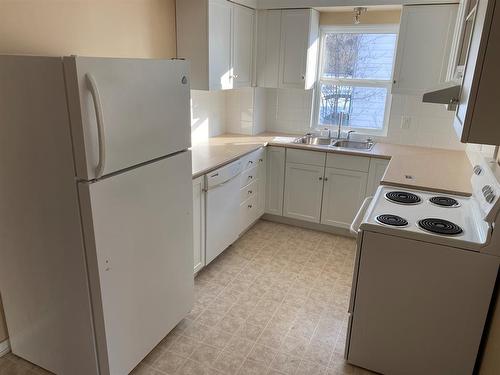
pixel 250 177
pixel 249 206
pixel 250 162
pixel 261 160
pixel 250 192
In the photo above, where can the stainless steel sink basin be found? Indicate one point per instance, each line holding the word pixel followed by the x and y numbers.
pixel 366 145
pixel 309 140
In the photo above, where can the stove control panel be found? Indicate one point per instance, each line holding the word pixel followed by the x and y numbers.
pixel 486 190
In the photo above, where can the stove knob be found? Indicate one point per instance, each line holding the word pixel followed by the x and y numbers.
pixel 477 169
pixel 490 198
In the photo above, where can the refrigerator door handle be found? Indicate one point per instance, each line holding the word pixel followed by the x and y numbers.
pixel 96 98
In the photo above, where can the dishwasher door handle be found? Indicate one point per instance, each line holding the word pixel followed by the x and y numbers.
pixel 223 183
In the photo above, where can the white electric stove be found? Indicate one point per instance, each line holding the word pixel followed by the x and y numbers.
pixel 426 267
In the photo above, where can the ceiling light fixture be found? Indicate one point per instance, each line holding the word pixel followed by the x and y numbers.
pixel 357 14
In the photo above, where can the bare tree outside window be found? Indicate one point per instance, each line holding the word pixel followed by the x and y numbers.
pixel 355 78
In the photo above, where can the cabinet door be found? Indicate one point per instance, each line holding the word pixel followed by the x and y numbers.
pixel 294 38
pixel 303 191
pixel 268 47
pixel 275 180
pixel 219 40
pixel 243 26
pixel 199 223
pixel 343 195
pixel 424 44
pixel 375 174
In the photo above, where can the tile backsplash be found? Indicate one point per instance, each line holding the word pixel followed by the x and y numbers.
pixel 429 125
pixel 208 114
pixel 254 110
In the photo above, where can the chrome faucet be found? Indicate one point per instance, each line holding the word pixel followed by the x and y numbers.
pixel 339 129
pixel 349 134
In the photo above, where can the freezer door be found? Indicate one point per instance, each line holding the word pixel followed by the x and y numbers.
pixel 126 111
pixel 138 230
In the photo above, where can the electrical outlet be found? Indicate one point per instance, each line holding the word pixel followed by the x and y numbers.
pixel 405 122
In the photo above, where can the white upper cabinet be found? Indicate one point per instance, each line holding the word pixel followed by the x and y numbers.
pixel 219 41
pixel 243 30
pixel 424 44
pixel 476 117
pixel 288 42
pixel 268 47
pixel 217 36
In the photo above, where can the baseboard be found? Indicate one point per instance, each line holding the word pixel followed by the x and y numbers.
pixel 308 225
pixel 4 348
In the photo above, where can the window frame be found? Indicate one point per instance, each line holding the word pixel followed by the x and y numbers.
pixel 355 29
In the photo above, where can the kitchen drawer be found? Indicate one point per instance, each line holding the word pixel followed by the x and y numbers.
pixel 350 162
pixel 248 212
pixel 248 176
pixel 305 157
pixel 249 190
pixel 253 159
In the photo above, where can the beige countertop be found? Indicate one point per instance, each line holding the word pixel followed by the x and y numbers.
pixel 421 168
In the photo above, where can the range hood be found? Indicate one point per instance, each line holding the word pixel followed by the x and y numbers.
pixel 448 93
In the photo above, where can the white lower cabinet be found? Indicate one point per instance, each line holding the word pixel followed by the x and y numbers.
pixel 252 183
pixel 343 194
pixel 275 180
pixel 199 222
pixel 303 191
pixel 375 174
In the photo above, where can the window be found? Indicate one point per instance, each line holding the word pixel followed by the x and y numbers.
pixel 355 77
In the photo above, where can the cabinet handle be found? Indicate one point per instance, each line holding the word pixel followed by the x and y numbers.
pixel 261 160
pixel 326 179
pixel 250 192
pixel 249 206
pixel 321 178
pixel 250 177
pixel 303 76
pixel 250 162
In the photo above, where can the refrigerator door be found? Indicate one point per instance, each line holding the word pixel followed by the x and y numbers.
pixel 126 111
pixel 138 230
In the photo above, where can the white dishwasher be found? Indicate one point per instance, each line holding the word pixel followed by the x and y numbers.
pixel 223 205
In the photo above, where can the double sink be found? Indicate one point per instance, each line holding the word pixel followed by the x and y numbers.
pixel 335 143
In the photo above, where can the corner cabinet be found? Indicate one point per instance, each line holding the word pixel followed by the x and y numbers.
pixel 217 36
pixel 287 48
pixel 424 45
pixel 199 222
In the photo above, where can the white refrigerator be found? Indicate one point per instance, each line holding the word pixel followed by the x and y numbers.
pixel 95 208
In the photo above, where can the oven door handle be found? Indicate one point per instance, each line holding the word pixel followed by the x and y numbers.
pixel 360 215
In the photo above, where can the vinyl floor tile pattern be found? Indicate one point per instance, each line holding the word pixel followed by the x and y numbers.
pixel 275 302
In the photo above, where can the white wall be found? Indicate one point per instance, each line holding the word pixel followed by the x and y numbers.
pixel 128 28
pixel 290 111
